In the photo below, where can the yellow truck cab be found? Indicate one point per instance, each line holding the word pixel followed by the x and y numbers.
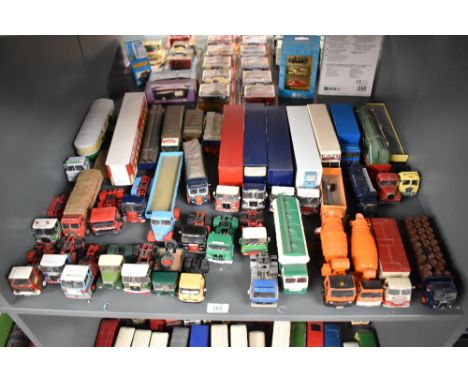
pixel 191 287
pixel 409 183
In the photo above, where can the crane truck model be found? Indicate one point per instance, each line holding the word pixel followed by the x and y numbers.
pixel 436 282
pixel 394 268
pixel 338 288
pixel 263 289
pixel 160 208
pixel 365 261
pixel 80 202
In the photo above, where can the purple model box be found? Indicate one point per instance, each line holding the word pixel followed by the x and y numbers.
pixel 171 91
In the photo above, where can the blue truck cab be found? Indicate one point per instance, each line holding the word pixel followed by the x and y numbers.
pixel 264 292
pixel 332 335
pixel 160 207
pixel 199 336
pixel 363 189
pixel 255 144
pixel 347 130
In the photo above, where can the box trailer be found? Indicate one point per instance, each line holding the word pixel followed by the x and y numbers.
pixel 255 144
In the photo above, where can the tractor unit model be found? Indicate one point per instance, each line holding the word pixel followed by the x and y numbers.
pixel 253 196
pixel 25 280
pixel 254 241
pixel 46 231
pixel 220 244
pixel 227 198
pixel 74 165
pixel 263 289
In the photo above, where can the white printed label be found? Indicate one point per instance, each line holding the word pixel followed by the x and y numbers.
pixel 217 308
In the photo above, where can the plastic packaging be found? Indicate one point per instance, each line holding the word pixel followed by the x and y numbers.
pixel 254 39
pixel 253 50
pixel 171 91
pixel 260 93
pixel 217 62
pixel 250 77
pixel 219 39
pixel 254 63
pixel 219 50
pixel 216 75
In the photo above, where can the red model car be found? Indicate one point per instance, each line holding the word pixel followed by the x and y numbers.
pixel 315 334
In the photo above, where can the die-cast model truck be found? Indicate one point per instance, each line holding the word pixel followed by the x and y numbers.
pixel 74 165
pixel 363 189
pixel 338 284
pixel 80 202
pixel 196 180
pixel 263 289
pixel 105 217
pixel 46 231
pixel 254 241
pixel 394 267
pixel 160 208
pixel 25 280
pixel 366 263
pixel 293 255
pixel 110 267
pixel 220 244
pixel 227 198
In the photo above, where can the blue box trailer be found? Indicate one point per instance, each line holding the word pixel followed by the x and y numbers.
pixel 347 131
pixel 255 144
pixel 280 157
pixel 199 336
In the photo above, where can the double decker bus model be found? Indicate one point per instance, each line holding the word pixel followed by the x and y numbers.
pixel 160 208
pixel 394 268
pixel 171 135
pixel 151 139
pixel 280 156
pixel 80 202
pixel 325 136
pixel 196 180
pixel 347 131
pixel 122 158
pixel 291 244
pixel 307 159
pixel 93 129
pixel 231 152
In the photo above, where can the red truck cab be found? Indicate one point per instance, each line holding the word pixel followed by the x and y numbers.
pixel 387 187
pixel 25 280
pixel 74 225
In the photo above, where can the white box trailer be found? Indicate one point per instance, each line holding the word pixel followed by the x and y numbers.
pixel 122 158
pixel 306 154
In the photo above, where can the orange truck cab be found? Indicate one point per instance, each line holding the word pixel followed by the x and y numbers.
pixel 338 285
pixel 104 220
pixel 365 260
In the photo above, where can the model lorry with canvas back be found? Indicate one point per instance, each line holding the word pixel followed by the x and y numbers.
pixel 122 158
pixel 394 268
pixel 338 288
pixel 196 181
pixel 160 208
pixel 220 244
pixel 171 134
pixel 80 202
pixel 435 280
pixel 293 255
pixel 366 263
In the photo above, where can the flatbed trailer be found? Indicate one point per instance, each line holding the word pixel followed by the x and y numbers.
pixel 160 207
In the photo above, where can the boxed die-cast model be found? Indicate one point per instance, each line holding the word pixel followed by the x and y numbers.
pixel 139 62
pixel 347 131
pixel 255 144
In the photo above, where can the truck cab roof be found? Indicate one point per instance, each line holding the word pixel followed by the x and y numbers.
pixel 254 233
pixel 190 280
pixel 110 260
pixel 20 272
pixel 74 272
pixel 44 223
pixel 53 260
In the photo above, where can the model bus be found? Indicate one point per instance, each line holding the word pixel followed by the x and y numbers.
pixel 231 152
pixel 291 244
pixel 150 144
pixel 280 157
pixel 348 132
pixel 89 139
pixel 122 158
pixel 325 136
pixel 171 135
pixel 255 144
pixel 308 163
pixel 196 180
pixel 281 334
pixel 219 336
pixel 199 336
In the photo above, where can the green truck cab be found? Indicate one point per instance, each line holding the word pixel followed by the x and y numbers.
pixel 220 243
pixel 254 241
pixel 110 265
pixel 164 283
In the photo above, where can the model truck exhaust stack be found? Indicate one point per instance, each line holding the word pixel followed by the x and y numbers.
pixel 160 208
